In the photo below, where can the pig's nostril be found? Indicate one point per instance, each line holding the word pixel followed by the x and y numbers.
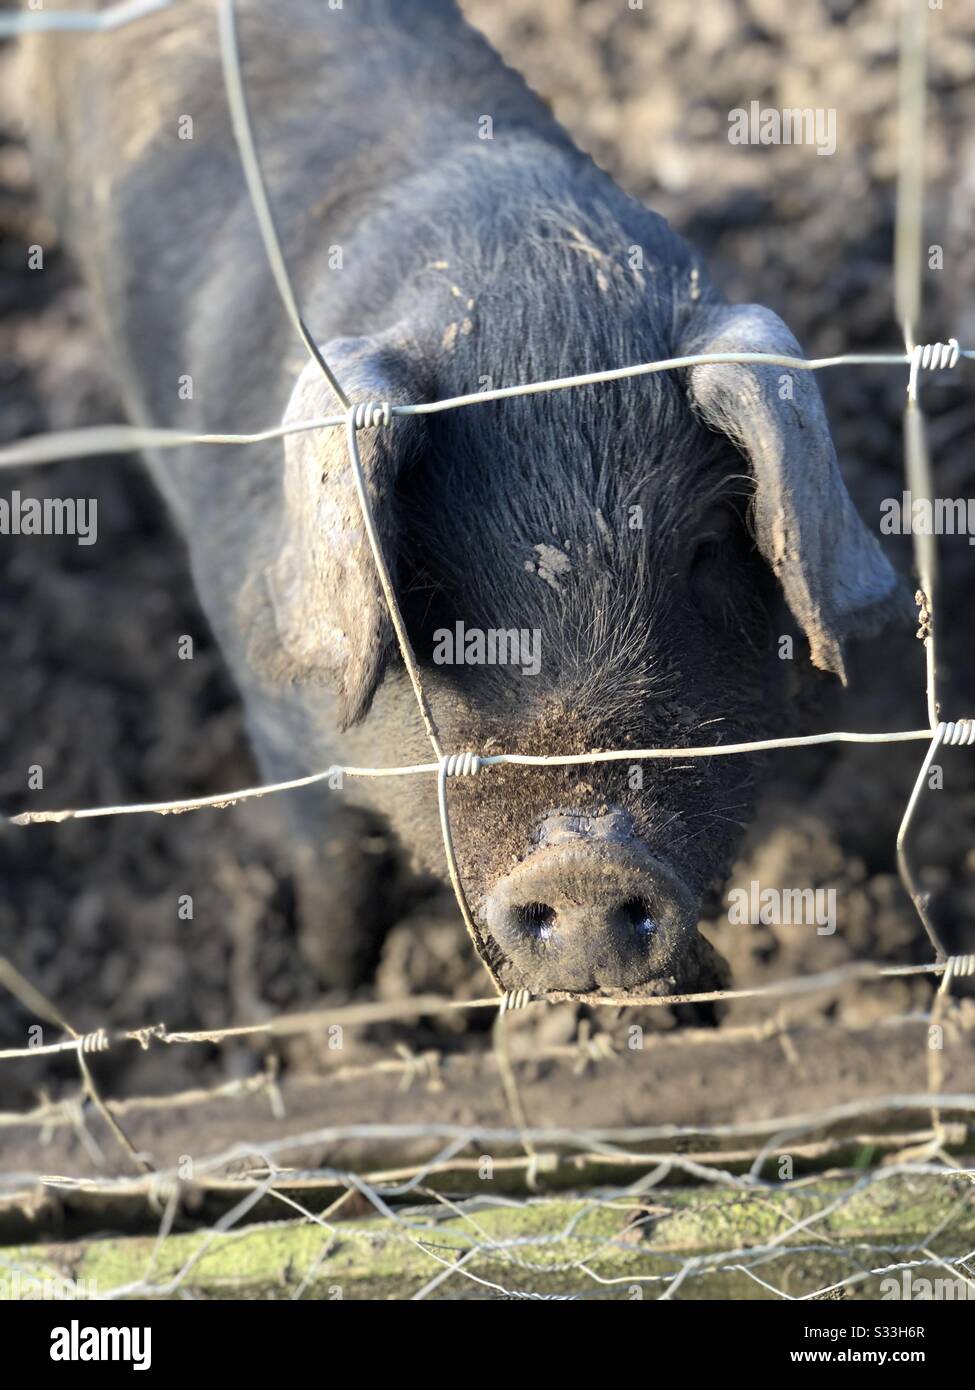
pixel 636 914
pixel 536 919
pixel 588 915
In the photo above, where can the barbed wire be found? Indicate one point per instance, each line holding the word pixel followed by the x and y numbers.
pixel 541 1146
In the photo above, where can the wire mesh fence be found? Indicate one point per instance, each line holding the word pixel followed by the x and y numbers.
pixel 614 1240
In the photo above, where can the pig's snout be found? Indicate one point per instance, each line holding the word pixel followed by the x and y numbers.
pixel 590 909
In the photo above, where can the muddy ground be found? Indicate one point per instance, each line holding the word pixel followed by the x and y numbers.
pixel 92 689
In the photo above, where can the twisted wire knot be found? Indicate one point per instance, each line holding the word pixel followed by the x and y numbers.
pixel 162 1188
pixel 592 1048
pixel 462 764
pixel 144 1036
pixel 959 966
pixel 367 414
pixel 514 999
pixel 933 357
pixel 957 733
pixel 420 1066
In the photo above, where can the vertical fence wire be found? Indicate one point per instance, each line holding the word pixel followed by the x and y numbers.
pixel 907 277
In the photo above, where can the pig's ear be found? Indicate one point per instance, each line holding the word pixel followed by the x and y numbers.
pixel 836 579
pixel 329 612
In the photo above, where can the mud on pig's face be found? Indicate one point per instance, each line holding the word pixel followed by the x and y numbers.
pixel 594 568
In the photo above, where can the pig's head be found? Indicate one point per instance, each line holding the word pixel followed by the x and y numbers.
pixel 594 568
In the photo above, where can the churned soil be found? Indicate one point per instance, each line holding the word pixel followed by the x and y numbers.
pixel 93 689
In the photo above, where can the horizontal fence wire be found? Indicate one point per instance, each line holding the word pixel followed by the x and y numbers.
pixel 420 1006
pixel 123 439
pixel 914 357
pixel 564 1247
pixel 264 1179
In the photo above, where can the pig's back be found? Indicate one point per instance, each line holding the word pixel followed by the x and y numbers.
pixel 347 105
pixel 344 103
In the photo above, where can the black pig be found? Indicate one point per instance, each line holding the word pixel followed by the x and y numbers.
pixel 444 235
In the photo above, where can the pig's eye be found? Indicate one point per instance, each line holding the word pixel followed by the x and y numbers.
pixel 717 526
